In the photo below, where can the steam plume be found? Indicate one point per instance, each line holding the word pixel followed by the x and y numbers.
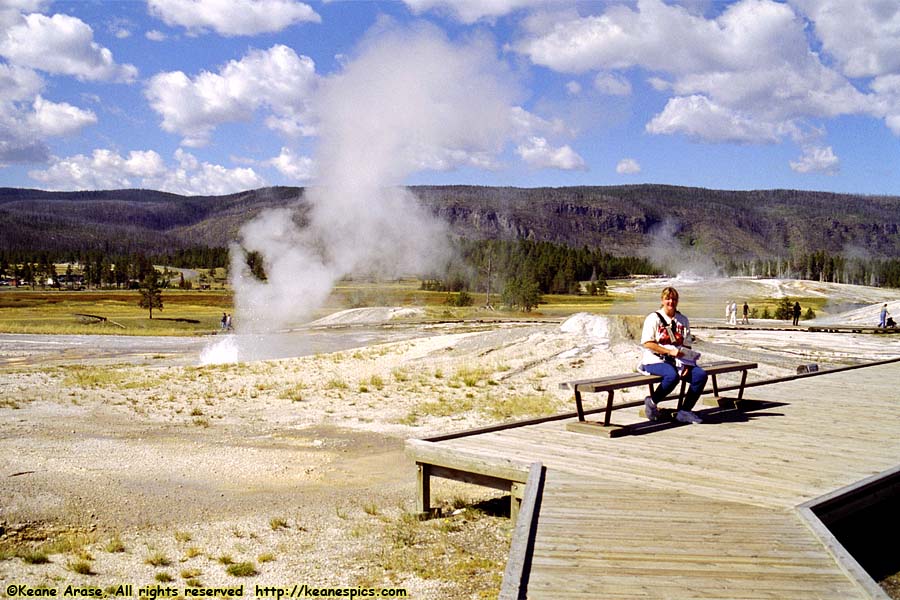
pixel 410 100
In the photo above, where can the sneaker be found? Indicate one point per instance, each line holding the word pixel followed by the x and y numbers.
pixel 686 416
pixel 650 408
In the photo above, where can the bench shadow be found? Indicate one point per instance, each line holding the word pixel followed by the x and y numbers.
pixel 746 410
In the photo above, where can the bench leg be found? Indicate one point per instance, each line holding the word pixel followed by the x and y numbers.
pixel 743 381
pixel 609 403
pixel 516 493
pixel 578 408
pixel 423 484
pixel 681 394
pixel 715 387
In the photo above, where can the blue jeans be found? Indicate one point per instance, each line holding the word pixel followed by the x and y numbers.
pixel 670 380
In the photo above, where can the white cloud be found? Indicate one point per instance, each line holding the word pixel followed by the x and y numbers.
pixel 104 169
pixel 612 84
pixel 752 64
pixel 527 124
pixel 11 10
pixel 121 28
pixel 573 88
pixel 107 169
pixel 469 11
pixel 887 89
pixel 277 78
pixel 18 141
pixel 204 178
pixel 62 45
pixel 536 152
pixel 233 17
pixel 863 35
pixel 816 159
pixel 628 166
pixel 18 83
pixel 58 119
pixel 698 117
pixel 298 168
pixel 155 35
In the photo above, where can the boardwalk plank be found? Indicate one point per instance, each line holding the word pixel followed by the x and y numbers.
pixel 705 511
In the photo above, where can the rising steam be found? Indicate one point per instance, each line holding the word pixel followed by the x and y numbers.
pixel 666 251
pixel 410 100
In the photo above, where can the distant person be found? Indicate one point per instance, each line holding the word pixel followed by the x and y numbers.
pixel 228 326
pixel 882 318
pixel 224 321
pixel 733 313
pixel 666 338
pixel 746 318
pixel 728 311
pixel 796 313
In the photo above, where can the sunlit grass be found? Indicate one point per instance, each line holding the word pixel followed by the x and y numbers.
pixel 56 311
pixel 70 312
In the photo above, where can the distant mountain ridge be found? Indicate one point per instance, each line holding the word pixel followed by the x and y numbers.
pixel 737 225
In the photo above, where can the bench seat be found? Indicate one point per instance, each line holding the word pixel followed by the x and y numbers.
pixel 617 382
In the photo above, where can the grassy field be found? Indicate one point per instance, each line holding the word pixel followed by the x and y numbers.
pixel 192 312
pixel 184 312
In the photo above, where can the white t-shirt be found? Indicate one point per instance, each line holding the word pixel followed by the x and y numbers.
pixel 655 330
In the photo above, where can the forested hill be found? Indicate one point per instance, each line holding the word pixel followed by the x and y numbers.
pixel 620 220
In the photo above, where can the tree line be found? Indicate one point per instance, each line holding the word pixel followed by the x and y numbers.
pixel 101 269
pixel 520 271
pixel 823 266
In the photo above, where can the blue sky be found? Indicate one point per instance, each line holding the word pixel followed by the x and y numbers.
pixel 217 96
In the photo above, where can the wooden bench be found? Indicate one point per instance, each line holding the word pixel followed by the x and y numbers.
pixel 617 382
pixel 434 460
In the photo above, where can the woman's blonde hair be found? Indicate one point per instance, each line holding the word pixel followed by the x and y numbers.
pixel 669 292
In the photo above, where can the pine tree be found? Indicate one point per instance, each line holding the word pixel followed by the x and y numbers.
pixel 151 295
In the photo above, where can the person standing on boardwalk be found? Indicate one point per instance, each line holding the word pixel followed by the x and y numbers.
pixel 796 313
pixel 732 310
pixel 666 338
pixel 882 318
pixel 746 318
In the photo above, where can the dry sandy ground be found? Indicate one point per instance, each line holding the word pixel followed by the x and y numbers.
pixel 296 465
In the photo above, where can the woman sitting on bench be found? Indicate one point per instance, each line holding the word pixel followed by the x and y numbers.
pixel 666 339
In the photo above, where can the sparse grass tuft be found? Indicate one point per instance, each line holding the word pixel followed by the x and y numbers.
pixel 242 569
pixel 225 559
pixel 35 557
pixel 266 557
pixel 164 577
pixel 293 393
pixel 277 523
pixel 522 406
pixel 114 545
pixel 82 567
pixel 183 536
pixel 157 559
pixel 336 383
pixel 190 573
pixel 370 509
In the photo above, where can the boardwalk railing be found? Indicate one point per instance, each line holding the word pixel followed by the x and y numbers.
pixel 518 566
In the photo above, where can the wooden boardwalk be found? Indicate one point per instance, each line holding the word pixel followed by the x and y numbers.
pixel 706 511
